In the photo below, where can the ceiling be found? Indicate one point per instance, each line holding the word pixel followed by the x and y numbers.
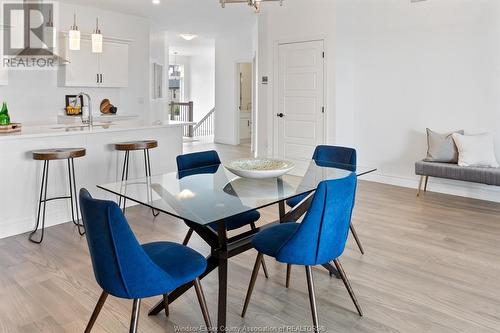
pixel 189 48
pixel 205 18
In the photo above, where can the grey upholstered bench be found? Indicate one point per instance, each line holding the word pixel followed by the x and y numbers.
pixel 488 176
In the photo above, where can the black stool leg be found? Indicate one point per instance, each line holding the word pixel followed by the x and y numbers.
pixel 124 177
pixel 43 192
pixel 147 167
pixel 73 197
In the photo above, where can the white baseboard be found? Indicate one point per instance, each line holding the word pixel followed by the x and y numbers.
pixel 53 217
pixel 439 185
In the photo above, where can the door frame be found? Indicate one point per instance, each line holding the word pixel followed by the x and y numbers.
pixel 272 149
pixel 237 117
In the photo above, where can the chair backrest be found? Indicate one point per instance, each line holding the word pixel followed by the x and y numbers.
pixel 322 235
pixel 121 267
pixel 346 157
pixel 197 160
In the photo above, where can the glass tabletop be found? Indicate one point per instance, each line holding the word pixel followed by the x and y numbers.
pixel 210 194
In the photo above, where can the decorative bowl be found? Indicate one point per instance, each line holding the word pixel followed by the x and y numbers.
pixel 259 168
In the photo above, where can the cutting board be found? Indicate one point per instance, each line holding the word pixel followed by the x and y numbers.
pixel 12 128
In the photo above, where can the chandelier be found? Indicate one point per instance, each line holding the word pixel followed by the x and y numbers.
pixel 255 4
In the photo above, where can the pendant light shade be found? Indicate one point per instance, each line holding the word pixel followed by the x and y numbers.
pixel 74 36
pixel 97 39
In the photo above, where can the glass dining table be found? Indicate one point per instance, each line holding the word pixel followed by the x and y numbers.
pixel 204 198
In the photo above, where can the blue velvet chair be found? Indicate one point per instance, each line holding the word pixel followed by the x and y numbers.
pixel 208 162
pixel 125 269
pixel 339 157
pixel 318 240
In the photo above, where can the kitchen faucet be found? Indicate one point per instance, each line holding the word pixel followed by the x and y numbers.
pixel 90 120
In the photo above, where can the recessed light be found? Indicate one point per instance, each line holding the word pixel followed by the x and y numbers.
pixel 188 36
pixel 156 2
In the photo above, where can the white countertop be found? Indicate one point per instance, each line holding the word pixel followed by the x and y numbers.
pixel 62 130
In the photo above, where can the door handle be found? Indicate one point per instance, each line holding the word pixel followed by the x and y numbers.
pixel 281 115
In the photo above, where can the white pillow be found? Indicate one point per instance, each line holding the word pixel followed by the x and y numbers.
pixel 476 150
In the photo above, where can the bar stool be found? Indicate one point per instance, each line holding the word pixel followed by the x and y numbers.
pixel 127 147
pixel 47 155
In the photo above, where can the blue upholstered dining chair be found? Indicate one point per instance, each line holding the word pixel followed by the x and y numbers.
pixel 341 158
pixel 204 162
pixel 126 269
pixel 318 240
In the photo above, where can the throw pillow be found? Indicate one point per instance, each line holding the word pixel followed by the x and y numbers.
pixel 476 150
pixel 441 147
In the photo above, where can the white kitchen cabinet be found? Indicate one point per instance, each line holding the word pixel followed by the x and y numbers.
pixel 113 64
pixel 86 69
pixel 83 67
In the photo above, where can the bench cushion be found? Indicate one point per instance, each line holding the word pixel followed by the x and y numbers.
pixel 489 176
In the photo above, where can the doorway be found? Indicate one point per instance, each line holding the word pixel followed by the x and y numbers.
pixel 299 124
pixel 245 102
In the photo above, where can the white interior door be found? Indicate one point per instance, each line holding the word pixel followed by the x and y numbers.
pixel 299 122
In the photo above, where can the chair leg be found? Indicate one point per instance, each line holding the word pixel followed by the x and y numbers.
pixel 420 185
pixel 203 304
pixel 188 236
pixel 147 166
pixel 288 271
pixel 255 272
pixel 348 286
pixel 42 199
pixel 312 298
pixel 124 178
pixel 165 305
pixel 134 320
pixel 96 312
pixel 356 238
pixel 264 267
pixel 426 183
pixel 79 224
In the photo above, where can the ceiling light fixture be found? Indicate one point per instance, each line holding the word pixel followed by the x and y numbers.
pixel 156 2
pixel 188 37
pixel 255 4
pixel 74 36
pixel 97 39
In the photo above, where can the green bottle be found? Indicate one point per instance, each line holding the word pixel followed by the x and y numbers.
pixel 4 115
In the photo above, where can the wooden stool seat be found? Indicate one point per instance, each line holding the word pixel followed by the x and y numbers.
pixel 58 154
pixel 136 145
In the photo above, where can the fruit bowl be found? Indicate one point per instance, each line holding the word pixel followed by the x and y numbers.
pixel 259 168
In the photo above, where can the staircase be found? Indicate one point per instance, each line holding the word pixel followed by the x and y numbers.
pixel 183 111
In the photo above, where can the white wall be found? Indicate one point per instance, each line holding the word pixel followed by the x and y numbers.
pixel 229 51
pixel 202 82
pixel 295 21
pixel 35 98
pixel 159 54
pixel 402 67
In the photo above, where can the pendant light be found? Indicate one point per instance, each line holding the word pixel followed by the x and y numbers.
pixel 97 39
pixel 49 33
pixel 74 36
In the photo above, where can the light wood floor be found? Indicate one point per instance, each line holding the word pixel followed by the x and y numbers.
pixel 432 265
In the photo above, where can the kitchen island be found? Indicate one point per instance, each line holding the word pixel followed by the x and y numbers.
pixel 21 175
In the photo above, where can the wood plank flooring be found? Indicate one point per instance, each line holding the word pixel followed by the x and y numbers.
pixel 431 265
